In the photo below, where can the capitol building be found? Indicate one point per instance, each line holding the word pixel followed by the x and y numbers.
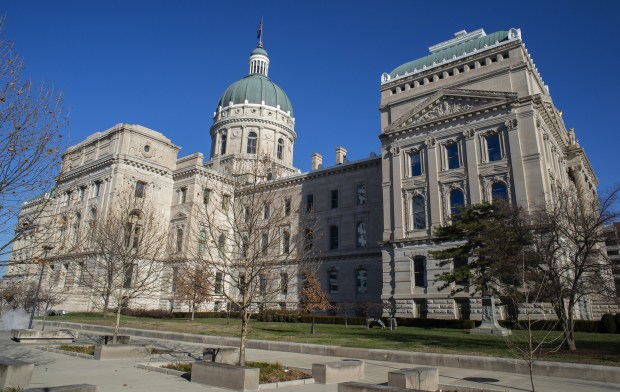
pixel 471 122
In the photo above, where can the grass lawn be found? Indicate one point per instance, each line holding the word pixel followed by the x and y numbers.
pixel 268 372
pixel 593 348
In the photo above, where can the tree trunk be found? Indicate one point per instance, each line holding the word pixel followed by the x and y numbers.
pixel 118 323
pixel 106 304
pixel 312 325
pixel 244 336
pixel 193 311
pixel 44 317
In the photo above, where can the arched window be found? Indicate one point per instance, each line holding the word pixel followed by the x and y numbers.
pixel 202 240
pixel 179 240
pixel 419 213
pixel 280 149
pixel 223 143
pixel 361 234
pixel 457 201
pixel 252 143
pixel 499 191
pixel 333 237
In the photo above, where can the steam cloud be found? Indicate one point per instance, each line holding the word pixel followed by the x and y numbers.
pixel 14 319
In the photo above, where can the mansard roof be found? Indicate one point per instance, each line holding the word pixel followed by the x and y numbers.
pixel 463 44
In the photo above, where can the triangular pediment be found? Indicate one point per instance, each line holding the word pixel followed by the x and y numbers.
pixel 447 103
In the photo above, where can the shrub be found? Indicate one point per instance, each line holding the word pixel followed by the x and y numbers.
pixel 155 313
pixel 607 324
pixel 617 320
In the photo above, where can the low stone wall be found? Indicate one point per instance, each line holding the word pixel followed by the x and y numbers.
pixel 541 368
pixel 338 371
pixel 67 388
pixel 419 378
pixel 121 351
pixel 50 336
pixel 15 373
pixel 239 378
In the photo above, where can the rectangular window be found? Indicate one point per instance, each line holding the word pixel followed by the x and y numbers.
pixel 333 281
pixel 82 193
pixel 128 276
pixel 225 202
pixel 182 195
pixel 361 234
pixel 287 206
pixel 309 202
pixel 333 237
pixel 418 271
pixel 416 164
pixel 175 278
pixel 334 198
pixel 264 243
pixel 458 270
pixel 419 213
pixel 262 285
pixel 361 194
pixel 68 195
pixel 140 187
pixel 206 195
pixel 452 152
pixel 97 188
pixel 493 147
pixel 80 274
pixel 266 211
pixel 362 281
pixel 283 283
pixel 286 243
pixel 308 239
pixel 217 287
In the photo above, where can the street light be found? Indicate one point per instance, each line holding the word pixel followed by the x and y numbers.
pixel 46 248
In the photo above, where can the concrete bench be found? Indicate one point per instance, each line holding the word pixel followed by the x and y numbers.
pixel 67 388
pixel 52 336
pixel 353 386
pixel 339 371
pixel 239 378
pixel 229 355
pixel 418 378
pixel 15 373
pixel 121 351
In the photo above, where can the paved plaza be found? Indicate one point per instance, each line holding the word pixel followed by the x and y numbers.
pixel 53 369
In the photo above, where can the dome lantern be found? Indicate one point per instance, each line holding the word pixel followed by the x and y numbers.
pixel 259 62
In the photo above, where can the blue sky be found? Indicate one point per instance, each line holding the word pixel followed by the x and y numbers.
pixel 164 64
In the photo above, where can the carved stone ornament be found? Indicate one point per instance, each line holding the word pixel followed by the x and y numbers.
pixel 442 109
pixel 511 124
pixel 236 133
pixel 268 135
pixel 469 133
pixel 430 142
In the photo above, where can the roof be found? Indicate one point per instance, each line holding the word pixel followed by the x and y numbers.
pixel 256 89
pixel 259 51
pixel 463 44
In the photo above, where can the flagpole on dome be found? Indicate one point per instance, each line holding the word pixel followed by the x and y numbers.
pixel 260 33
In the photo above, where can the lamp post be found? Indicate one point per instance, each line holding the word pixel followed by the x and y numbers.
pixel 46 248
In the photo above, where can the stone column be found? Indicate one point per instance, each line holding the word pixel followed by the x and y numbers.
pixel 398 196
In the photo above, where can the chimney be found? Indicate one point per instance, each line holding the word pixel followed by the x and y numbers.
pixel 341 155
pixel 317 161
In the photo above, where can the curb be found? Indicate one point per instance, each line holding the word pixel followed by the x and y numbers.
pixel 600 373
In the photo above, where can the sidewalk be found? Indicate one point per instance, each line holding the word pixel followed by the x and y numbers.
pixel 53 369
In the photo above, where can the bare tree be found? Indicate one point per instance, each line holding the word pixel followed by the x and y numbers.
pixel 534 334
pixel 31 123
pixel 313 298
pixel 251 240
pixel 51 294
pixel 569 251
pixel 129 242
pixel 192 286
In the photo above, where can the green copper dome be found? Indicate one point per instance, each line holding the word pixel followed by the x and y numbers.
pixel 259 51
pixel 256 88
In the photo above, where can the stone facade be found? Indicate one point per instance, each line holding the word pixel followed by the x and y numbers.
pixel 471 122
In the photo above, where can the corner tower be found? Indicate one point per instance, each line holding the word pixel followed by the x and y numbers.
pixel 254 119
